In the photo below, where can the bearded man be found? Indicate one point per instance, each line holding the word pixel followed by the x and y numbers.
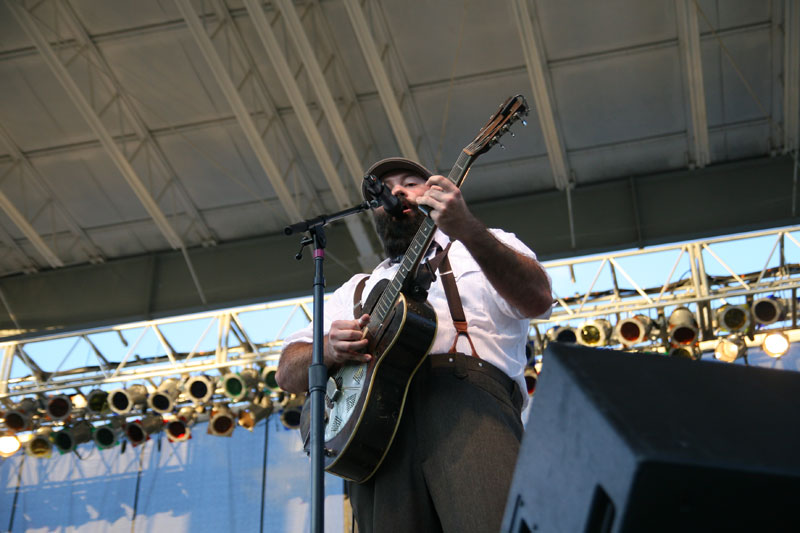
pixel 450 465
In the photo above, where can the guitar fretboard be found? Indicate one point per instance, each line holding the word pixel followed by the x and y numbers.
pixel 419 245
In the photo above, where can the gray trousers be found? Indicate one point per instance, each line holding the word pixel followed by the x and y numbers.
pixel 452 460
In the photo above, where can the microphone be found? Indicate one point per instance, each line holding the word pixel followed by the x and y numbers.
pixel 376 190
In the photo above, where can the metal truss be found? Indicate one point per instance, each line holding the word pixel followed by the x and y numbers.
pixel 701 275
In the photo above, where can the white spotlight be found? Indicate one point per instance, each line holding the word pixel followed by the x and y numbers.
pixel 775 344
pixel 730 349
pixel 9 445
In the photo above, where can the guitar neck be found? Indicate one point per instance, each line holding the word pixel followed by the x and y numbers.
pixel 419 245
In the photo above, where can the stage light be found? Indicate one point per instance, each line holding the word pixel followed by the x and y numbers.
pixel 239 386
pixel 41 444
pixel 769 310
pixel 179 428
pixel 292 408
pixel 108 436
pixel 682 327
pixel 199 389
pixel 68 438
pixel 58 407
pixel 595 332
pixel 123 401
pixel 634 330
pixel 97 402
pixel 222 421
pixel 531 377
pixel 163 399
pixel 775 344
pixel 9 445
pixel 20 416
pixel 78 401
pixel 138 431
pixel 255 412
pixel 268 377
pixel 685 352
pixel 730 349
pixel 564 334
pixel 733 318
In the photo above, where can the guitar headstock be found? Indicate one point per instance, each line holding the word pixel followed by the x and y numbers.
pixel 513 109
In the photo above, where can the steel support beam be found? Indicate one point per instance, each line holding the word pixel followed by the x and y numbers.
pixel 94 253
pixel 323 91
pixel 381 79
pixel 292 89
pixel 539 75
pixel 95 123
pixel 243 117
pixel 791 76
pixel 136 122
pixel 689 44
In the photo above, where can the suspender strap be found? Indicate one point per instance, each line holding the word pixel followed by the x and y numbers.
pixel 454 303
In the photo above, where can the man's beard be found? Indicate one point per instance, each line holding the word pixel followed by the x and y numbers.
pixel 397 233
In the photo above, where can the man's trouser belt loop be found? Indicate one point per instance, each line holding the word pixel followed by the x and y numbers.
pixel 460 366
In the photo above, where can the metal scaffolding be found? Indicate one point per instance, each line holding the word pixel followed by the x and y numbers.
pixel 700 275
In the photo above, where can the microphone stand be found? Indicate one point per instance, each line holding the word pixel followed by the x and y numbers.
pixel 318 372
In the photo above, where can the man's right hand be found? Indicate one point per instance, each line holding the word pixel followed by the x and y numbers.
pixel 346 342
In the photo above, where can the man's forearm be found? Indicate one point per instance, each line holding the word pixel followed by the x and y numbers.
pixel 520 279
pixel 292 375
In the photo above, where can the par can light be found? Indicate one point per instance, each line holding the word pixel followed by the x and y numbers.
pixel 9 445
pixel 775 344
pixel 199 389
pixel 108 436
pixel 162 400
pixel 239 386
pixel 634 330
pixel 139 431
pixel 730 349
pixel 97 402
pixel 68 438
pixel 123 401
pixel 58 407
pixel 20 416
pixel 564 334
pixel 595 332
pixel 41 444
pixel 222 421
pixel 733 318
pixel 682 327
pixel 769 310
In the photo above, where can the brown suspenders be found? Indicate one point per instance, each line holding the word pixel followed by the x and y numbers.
pixel 441 262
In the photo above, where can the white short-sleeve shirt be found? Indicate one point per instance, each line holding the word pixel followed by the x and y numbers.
pixel 498 330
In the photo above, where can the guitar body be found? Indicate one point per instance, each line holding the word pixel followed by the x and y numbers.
pixel 364 402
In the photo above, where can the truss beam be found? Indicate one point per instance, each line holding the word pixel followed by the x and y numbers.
pixel 307 123
pixel 95 123
pixel 689 44
pixel 539 76
pixel 381 79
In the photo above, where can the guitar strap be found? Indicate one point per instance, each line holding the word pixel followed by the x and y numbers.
pixel 441 262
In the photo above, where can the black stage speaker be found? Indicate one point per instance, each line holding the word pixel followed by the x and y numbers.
pixel 635 442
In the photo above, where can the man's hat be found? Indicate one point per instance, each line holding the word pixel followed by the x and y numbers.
pixel 385 166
